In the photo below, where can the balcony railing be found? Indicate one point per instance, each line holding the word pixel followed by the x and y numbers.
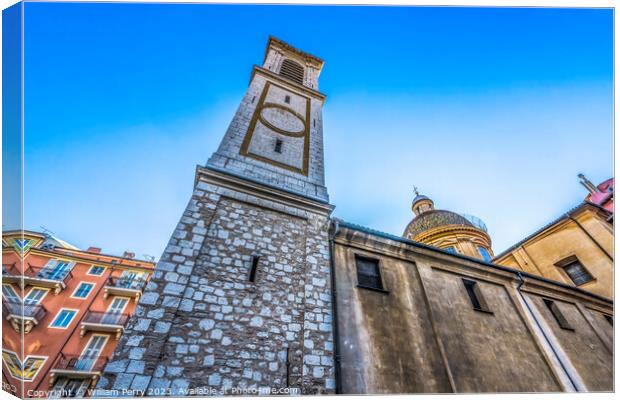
pixel 126 283
pixel 75 362
pixel 52 274
pixel 105 318
pixel 55 278
pixel 8 267
pixel 104 322
pixel 74 366
pixel 11 272
pixel 124 286
pixel 26 315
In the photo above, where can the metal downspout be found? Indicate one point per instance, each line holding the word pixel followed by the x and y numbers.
pixel 335 320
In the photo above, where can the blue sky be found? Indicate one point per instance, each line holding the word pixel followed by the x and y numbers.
pixel 490 112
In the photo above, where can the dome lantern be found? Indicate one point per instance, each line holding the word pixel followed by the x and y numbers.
pixel 421 203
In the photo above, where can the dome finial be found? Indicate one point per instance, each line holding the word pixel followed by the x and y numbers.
pixel 420 202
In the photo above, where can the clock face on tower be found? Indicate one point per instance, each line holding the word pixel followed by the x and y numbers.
pixel 279 131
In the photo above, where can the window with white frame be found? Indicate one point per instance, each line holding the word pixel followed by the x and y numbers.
pixel 83 290
pixel 10 294
pixel 63 318
pixel 35 296
pixel 56 269
pixel 96 270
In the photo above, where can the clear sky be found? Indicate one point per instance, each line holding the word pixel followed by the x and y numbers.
pixel 490 112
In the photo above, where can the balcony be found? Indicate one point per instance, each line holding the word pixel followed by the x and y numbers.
pixel 77 367
pixel 23 317
pixel 121 286
pixel 104 322
pixel 11 273
pixel 37 276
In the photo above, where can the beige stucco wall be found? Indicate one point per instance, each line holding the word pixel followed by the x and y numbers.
pixel 539 254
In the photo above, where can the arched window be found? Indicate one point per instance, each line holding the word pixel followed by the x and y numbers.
pixel 293 71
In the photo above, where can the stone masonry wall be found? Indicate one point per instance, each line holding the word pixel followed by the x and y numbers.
pixel 202 324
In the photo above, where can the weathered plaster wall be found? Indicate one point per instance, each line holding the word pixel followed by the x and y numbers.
pixel 425 336
pixel 387 340
pixel 586 345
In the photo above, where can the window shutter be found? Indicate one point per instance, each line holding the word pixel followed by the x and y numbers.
pixel 293 71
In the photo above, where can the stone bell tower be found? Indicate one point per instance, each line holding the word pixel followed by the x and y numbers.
pixel 241 297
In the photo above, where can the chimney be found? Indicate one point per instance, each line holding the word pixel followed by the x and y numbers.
pixel 94 250
pixel 128 254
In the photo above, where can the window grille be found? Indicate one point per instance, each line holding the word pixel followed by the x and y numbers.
pixel 368 274
pixel 575 270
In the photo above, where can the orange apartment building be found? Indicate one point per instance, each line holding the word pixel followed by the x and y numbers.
pixel 63 311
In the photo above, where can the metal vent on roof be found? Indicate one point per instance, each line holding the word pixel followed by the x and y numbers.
pixel 293 71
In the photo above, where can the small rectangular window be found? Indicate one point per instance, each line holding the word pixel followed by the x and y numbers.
pixel 475 296
pixel 63 318
pixel 609 319
pixel 368 273
pixel 83 290
pixel 96 270
pixel 253 98
pixel 278 147
pixel 557 314
pixel 575 270
pixel 287 99
pixel 253 269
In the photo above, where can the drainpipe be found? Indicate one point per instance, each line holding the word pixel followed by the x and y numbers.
pixel 576 383
pixel 335 320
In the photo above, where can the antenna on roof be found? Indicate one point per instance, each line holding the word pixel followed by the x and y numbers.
pixel 587 184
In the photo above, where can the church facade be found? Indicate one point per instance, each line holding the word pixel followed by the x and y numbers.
pixel 577 248
pixel 259 289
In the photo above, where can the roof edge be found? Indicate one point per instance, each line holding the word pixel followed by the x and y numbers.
pixel 549 225
pixel 385 235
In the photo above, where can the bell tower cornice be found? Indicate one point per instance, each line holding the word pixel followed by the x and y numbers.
pixel 283 47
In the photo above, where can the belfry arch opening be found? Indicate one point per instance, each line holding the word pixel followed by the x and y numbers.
pixel 293 71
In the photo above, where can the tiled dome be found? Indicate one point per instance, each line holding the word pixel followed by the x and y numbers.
pixel 433 219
